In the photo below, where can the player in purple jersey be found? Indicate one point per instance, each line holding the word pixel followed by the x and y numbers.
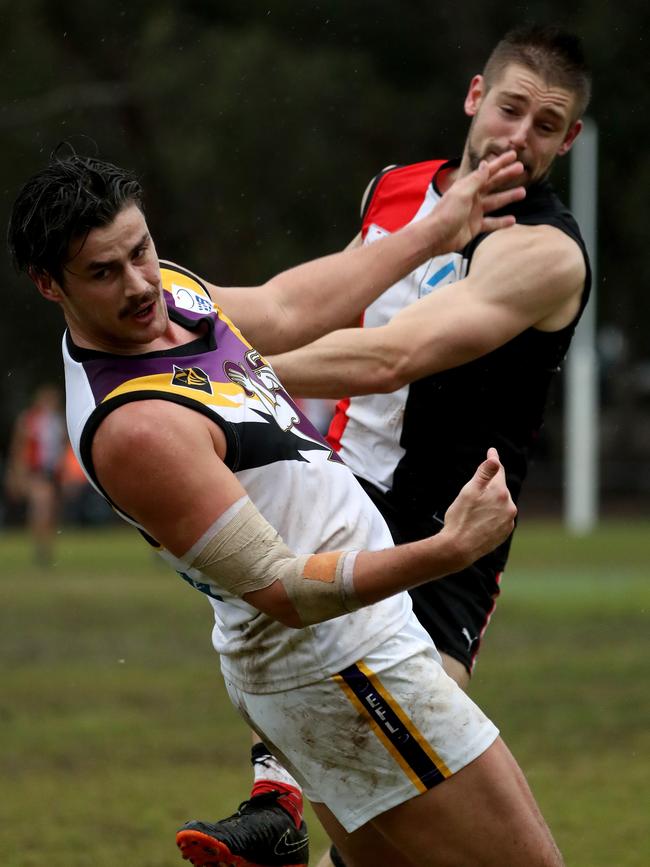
pixel 172 467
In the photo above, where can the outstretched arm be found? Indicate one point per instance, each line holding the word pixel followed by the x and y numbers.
pixel 527 276
pixel 305 302
pixel 193 509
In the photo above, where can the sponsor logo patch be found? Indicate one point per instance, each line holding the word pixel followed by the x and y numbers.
pixel 441 271
pixel 188 299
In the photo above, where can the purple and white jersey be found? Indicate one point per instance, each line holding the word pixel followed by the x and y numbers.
pixel 290 473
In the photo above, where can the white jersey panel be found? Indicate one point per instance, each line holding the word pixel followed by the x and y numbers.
pixel 370 442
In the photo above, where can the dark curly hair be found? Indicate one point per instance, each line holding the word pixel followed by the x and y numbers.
pixel 70 196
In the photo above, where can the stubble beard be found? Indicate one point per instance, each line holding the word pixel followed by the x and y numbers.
pixel 474 159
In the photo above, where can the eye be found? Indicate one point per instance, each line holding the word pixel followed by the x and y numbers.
pixel 139 252
pixel 102 274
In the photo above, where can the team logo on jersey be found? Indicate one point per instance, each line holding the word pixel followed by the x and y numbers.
pixel 188 299
pixel 440 271
pixel 192 377
pixel 259 380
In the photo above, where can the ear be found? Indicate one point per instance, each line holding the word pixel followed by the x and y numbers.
pixel 570 137
pixel 47 286
pixel 475 95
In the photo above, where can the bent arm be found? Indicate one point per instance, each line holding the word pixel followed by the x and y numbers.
pixel 305 302
pixel 480 518
pixel 162 465
pixel 528 276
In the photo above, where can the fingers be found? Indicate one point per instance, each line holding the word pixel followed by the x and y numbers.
pixel 491 224
pixel 497 173
pixel 504 175
pixel 498 200
pixel 487 471
pixel 489 468
pixel 496 182
pixel 502 161
pixel 510 510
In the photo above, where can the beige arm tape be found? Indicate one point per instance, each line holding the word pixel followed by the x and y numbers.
pixel 242 552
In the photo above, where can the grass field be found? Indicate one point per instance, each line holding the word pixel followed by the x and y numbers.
pixel 114 727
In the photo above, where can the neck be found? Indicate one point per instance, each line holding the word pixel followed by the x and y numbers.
pixel 452 175
pixel 447 177
pixel 173 336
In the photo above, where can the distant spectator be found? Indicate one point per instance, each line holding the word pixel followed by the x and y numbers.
pixel 36 452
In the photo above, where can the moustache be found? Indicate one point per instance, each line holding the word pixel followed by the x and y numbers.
pixel 136 304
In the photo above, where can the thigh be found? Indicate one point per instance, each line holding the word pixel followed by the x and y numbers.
pixel 456 670
pixel 378 733
pixel 365 847
pixel 485 815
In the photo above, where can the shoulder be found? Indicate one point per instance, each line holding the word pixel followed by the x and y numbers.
pixel 371 187
pixel 144 427
pixel 397 191
pixel 540 245
pixel 186 287
pixel 538 271
pixel 542 206
pixel 396 173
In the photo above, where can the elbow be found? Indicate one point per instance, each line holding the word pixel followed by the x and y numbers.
pixel 391 359
pixel 275 603
pixel 392 372
pixel 289 619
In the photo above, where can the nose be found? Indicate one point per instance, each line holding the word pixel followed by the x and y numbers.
pixel 519 134
pixel 135 282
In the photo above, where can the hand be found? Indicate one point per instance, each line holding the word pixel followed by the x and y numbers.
pixel 483 514
pixel 460 215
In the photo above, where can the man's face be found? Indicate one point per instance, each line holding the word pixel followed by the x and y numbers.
pixel 520 111
pixel 111 293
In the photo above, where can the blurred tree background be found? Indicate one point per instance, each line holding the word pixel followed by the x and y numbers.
pixel 256 126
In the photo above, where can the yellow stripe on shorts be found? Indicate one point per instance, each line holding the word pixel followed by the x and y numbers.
pixel 406 744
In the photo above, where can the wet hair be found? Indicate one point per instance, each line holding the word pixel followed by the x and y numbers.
pixel 549 51
pixel 70 196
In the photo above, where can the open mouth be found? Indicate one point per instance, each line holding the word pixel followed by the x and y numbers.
pixel 145 313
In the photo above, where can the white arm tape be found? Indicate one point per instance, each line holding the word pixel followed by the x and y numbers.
pixel 242 552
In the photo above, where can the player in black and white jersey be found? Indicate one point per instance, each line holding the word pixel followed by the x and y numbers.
pixel 461 351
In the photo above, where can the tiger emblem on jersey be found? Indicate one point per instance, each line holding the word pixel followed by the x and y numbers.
pixel 259 380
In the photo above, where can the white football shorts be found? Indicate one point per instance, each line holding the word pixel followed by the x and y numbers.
pixel 377 733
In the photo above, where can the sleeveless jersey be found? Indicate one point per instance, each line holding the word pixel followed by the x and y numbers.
pixel 420 444
pixel 288 470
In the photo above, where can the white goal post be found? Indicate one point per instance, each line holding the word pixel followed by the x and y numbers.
pixel 581 399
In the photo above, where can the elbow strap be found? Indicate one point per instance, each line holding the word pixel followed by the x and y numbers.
pixel 241 552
